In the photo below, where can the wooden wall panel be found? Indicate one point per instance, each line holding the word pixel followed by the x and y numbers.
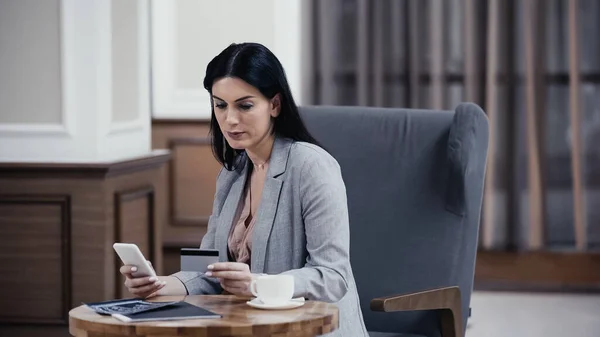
pixel 59 222
pixel 35 259
pixel 172 262
pixel 134 223
pixel 33 331
pixel 138 218
pixel 192 181
pixel 191 178
pixel 537 271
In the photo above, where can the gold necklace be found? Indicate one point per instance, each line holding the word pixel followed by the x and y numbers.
pixel 260 166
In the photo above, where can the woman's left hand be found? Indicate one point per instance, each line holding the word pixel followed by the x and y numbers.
pixel 235 277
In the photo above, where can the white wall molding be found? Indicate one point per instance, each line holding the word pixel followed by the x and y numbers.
pixel 74 139
pixel 287 44
pixel 168 100
pixel 45 130
pixel 18 130
pixel 142 121
pixel 281 31
pixel 87 132
pixel 120 139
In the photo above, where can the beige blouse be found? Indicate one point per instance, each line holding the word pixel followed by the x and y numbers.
pixel 240 237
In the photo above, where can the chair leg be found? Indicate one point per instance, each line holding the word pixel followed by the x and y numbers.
pixel 450 326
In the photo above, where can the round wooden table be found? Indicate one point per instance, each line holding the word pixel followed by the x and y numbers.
pixel 239 319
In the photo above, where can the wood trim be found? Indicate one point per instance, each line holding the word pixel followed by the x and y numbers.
pixel 190 221
pixel 528 287
pixel 172 180
pixel 129 195
pixel 538 271
pixel 64 202
pixel 492 113
pixel 579 209
pixel 87 170
pixel 188 141
pixel 536 239
pixel 447 300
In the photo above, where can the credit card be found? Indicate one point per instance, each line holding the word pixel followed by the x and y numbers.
pixel 198 260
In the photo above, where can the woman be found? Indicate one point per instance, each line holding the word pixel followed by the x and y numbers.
pixel 280 204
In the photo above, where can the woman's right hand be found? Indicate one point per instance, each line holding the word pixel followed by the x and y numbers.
pixel 144 287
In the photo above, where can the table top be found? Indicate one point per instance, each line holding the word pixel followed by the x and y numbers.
pixel 239 319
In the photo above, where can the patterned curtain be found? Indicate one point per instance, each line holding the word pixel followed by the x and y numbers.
pixel 532 65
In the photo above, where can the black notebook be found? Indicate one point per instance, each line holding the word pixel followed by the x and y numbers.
pixel 135 310
pixel 176 311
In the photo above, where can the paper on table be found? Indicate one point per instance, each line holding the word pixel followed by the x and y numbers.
pixel 126 307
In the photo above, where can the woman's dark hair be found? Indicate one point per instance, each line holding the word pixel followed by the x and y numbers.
pixel 256 65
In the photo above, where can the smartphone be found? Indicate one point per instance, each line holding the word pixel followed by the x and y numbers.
pixel 198 260
pixel 130 254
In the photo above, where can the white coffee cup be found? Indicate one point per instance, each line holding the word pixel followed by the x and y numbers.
pixel 273 289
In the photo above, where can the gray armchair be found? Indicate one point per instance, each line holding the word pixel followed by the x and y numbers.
pixel 414 180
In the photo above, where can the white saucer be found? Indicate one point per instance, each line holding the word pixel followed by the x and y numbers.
pixel 293 303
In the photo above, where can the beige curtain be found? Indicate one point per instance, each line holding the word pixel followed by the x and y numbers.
pixel 533 65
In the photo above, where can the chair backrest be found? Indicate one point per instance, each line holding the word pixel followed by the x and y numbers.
pixel 414 181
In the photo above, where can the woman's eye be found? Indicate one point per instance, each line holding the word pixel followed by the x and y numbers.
pixel 246 106
pixel 220 106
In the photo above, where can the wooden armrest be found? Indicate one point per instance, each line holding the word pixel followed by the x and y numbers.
pixel 447 300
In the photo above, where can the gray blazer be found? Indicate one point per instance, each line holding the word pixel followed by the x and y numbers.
pixel 301 229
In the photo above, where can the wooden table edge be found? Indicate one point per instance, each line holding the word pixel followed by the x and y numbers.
pixel 110 326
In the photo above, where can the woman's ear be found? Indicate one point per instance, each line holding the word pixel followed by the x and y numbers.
pixel 275 106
